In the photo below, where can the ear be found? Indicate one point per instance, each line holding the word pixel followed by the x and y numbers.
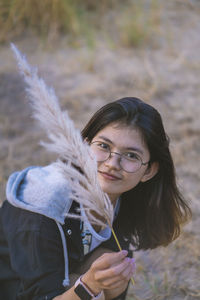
pixel 151 171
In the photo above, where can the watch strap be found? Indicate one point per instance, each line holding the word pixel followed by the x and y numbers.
pixel 83 291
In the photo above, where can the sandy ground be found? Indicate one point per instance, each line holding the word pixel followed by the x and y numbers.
pixel 165 74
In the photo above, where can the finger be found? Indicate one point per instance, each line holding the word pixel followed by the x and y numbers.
pixel 132 265
pixel 114 271
pixel 127 274
pixel 132 271
pixel 115 285
pixel 108 259
pixel 119 281
pixel 124 276
pixel 102 278
pixel 125 266
pixel 110 283
pixel 123 271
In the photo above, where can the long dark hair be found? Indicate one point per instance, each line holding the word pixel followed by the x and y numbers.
pixel 151 213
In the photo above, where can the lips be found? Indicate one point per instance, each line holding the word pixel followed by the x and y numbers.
pixel 109 176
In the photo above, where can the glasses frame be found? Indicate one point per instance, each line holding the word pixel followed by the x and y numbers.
pixel 121 155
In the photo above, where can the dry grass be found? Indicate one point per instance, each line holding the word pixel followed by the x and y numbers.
pixel 163 274
pixel 139 21
pixel 166 76
pixel 83 19
pixel 42 17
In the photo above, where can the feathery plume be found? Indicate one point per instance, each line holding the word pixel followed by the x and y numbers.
pixel 76 161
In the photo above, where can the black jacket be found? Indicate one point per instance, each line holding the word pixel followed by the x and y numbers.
pixel 31 253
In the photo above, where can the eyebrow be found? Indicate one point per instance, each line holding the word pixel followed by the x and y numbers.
pixel 128 148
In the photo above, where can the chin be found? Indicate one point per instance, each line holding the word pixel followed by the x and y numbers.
pixel 109 190
pixel 110 187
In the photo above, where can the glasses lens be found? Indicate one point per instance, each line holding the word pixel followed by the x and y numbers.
pixel 130 166
pixel 100 152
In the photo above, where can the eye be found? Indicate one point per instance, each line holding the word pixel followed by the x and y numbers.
pixel 131 156
pixel 103 146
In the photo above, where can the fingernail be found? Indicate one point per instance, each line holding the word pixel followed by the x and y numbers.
pixel 124 252
pixel 132 260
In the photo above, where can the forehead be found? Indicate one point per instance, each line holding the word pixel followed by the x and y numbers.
pixel 122 136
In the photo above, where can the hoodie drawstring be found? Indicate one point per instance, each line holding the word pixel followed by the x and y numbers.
pixel 64 243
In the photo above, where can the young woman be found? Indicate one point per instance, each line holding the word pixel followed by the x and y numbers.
pixel 135 169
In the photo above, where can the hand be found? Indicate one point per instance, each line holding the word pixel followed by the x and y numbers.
pixel 110 271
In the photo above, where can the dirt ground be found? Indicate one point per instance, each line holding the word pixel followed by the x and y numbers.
pixel 165 74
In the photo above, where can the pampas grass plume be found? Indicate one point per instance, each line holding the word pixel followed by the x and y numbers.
pixel 75 161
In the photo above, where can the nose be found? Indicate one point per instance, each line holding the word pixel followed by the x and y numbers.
pixel 113 161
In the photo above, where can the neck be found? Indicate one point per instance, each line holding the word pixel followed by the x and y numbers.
pixel 113 199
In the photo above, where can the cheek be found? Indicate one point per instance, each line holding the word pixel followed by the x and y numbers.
pixel 131 180
pixel 99 164
pixel 130 184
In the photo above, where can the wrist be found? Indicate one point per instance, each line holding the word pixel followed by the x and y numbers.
pixel 83 291
pixel 92 286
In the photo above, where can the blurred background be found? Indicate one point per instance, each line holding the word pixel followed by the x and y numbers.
pixel 94 52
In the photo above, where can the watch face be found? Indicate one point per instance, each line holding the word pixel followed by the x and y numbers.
pixel 82 293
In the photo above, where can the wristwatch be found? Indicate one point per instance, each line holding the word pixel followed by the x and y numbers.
pixel 83 291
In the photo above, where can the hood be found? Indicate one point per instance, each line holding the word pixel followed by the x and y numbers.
pixel 43 190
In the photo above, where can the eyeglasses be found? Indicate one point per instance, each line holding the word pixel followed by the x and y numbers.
pixel 130 162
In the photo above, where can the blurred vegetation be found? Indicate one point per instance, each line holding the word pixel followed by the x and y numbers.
pixel 128 22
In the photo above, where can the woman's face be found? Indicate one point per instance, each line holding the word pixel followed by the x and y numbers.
pixel 121 139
